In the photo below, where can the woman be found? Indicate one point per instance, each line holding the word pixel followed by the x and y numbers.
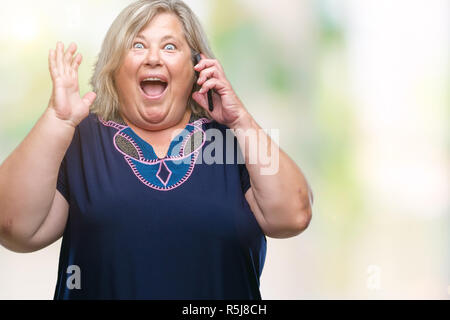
pixel 117 172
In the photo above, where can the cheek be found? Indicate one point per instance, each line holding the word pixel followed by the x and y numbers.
pixel 183 75
pixel 181 69
pixel 129 68
pixel 125 78
pixel 122 83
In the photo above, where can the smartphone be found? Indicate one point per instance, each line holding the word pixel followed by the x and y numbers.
pixel 197 58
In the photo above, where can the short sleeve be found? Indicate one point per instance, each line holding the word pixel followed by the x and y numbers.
pixel 243 172
pixel 245 178
pixel 61 184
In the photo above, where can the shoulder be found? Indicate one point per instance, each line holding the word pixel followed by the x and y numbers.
pixel 83 131
pixel 216 126
pixel 89 130
pixel 94 124
pixel 87 123
pixel 91 120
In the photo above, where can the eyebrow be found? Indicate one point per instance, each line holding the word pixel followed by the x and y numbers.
pixel 166 37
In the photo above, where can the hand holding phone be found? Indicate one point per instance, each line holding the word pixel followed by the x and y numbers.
pixel 197 58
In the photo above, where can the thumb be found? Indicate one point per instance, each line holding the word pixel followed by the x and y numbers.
pixel 89 98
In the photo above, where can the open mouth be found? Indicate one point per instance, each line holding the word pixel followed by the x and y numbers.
pixel 153 88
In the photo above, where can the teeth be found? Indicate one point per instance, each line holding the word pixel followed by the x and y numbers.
pixel 153 79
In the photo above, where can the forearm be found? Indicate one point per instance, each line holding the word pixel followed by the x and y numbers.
pixel 28 177
pixel 279 187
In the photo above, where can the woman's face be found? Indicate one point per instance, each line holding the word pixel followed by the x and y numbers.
pixel 160 50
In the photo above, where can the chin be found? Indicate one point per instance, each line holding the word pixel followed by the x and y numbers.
pixel 153 114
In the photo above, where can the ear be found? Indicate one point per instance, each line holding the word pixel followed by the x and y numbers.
pixel 195 57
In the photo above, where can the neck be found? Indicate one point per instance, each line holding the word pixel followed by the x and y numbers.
pixel 160 139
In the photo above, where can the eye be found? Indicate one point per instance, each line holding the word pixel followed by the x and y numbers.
pixel 138 45
pixel 168 46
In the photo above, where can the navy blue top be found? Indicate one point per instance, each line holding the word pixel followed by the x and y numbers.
pixel 140 227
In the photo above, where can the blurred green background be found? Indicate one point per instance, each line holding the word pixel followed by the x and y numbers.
pixel 360 93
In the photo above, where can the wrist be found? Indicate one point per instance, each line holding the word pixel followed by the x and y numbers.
pixel 51 115
pixel 244 122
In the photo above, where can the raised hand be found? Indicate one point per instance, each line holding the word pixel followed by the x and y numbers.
pixel 228 108
pixel 65 99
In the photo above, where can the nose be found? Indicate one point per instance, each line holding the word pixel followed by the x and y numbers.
pixel 152 58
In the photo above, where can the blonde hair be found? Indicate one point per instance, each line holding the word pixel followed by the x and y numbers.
pixel 118 40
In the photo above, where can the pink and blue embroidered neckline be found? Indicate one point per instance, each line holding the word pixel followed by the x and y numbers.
pixel 169 172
